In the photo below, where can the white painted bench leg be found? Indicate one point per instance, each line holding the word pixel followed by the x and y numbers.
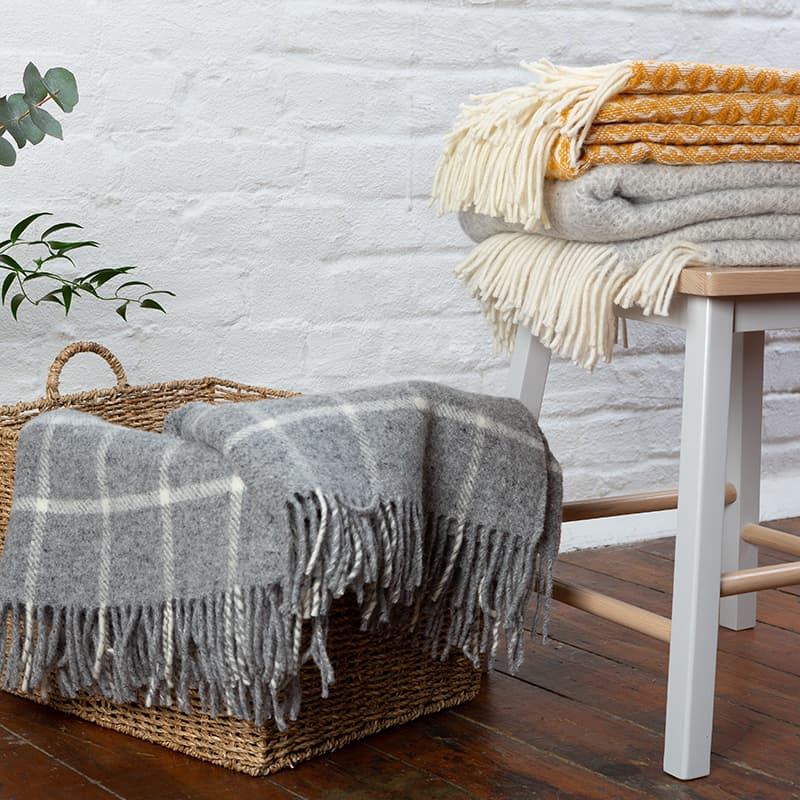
pixel 744 472
pixel 527 375
pixel 698 549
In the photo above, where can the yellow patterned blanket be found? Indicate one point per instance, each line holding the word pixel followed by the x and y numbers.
pixel 505 144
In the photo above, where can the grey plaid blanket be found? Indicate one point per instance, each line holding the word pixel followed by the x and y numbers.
pixel 142 566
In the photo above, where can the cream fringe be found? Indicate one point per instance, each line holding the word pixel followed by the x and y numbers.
pixel 497 155
pixel 565 291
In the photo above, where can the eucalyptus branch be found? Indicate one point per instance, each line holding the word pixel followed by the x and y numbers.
pixel 27 112
pixel 25 121
pixel 22 115
pixel 19 275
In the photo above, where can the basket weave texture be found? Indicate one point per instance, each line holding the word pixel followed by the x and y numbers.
pixel 382 680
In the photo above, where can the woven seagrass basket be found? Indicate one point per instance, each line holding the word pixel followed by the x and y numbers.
pixel 382 680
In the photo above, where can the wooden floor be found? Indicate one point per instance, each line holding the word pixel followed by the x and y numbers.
pixel 583 719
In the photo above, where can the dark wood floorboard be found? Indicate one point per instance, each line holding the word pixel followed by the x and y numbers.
pixel 583 718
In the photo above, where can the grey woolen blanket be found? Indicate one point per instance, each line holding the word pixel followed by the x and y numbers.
pixel 621 235
pixel 143 566
pixel 739 214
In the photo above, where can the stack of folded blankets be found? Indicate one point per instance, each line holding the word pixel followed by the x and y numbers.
pixel 596 186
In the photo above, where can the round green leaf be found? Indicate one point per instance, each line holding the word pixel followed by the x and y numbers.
pixel 8 155
pixel 46 122
pixel 10 123
pixel 12 108
pixel 33 134
pixel 63 87
pixel 35 90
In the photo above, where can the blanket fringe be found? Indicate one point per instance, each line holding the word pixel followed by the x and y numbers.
pixel 241 650
pixel 565 291
pixel 497 155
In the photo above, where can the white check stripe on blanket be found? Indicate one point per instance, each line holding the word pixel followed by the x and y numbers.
pixel 162 497
pixel 443 410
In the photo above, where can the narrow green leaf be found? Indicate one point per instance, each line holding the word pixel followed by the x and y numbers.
pixel 87 287
pixel 22 226
pixel 106 274
pixel 123 311
pixel 6 286
pixel 148 303
pixel 8 155
pixel 58 257
pixel 65 247
pixel 52 297
pixel 66 293
pixel 132 283
pixel 10 262
pixel 35 90
pixel 60 227
pixel 61 84
pixel 32 276
pixel 103 276
pixel 160 291
pixel 45 121
pixel 16 300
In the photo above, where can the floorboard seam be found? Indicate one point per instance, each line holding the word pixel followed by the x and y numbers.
pixel 551 753
pixel 291 792
pixel 603 711
pixel 401 760
pixel 756 771
pixel 600 709
pixel 63 763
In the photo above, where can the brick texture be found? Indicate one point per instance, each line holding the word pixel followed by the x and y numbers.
pixel 271 161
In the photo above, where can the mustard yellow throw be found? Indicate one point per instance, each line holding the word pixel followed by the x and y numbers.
pixel 506 144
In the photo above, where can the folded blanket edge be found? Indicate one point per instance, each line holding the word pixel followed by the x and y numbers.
pixel 565 291
pixel 496 156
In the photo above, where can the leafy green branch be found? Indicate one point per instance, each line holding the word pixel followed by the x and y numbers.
pixel 22 115
pixel 24 119
pixel 23 275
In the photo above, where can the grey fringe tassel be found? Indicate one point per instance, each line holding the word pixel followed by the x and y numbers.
pixel 241 650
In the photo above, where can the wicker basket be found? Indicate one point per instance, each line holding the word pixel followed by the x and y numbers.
pixel 382 680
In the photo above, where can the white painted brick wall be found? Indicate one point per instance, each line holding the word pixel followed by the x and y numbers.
pixel 271 161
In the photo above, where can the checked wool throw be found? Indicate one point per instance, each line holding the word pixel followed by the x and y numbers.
pixel 142 566
pixel 596 186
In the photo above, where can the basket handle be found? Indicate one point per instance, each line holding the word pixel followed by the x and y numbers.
pixel 54 375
